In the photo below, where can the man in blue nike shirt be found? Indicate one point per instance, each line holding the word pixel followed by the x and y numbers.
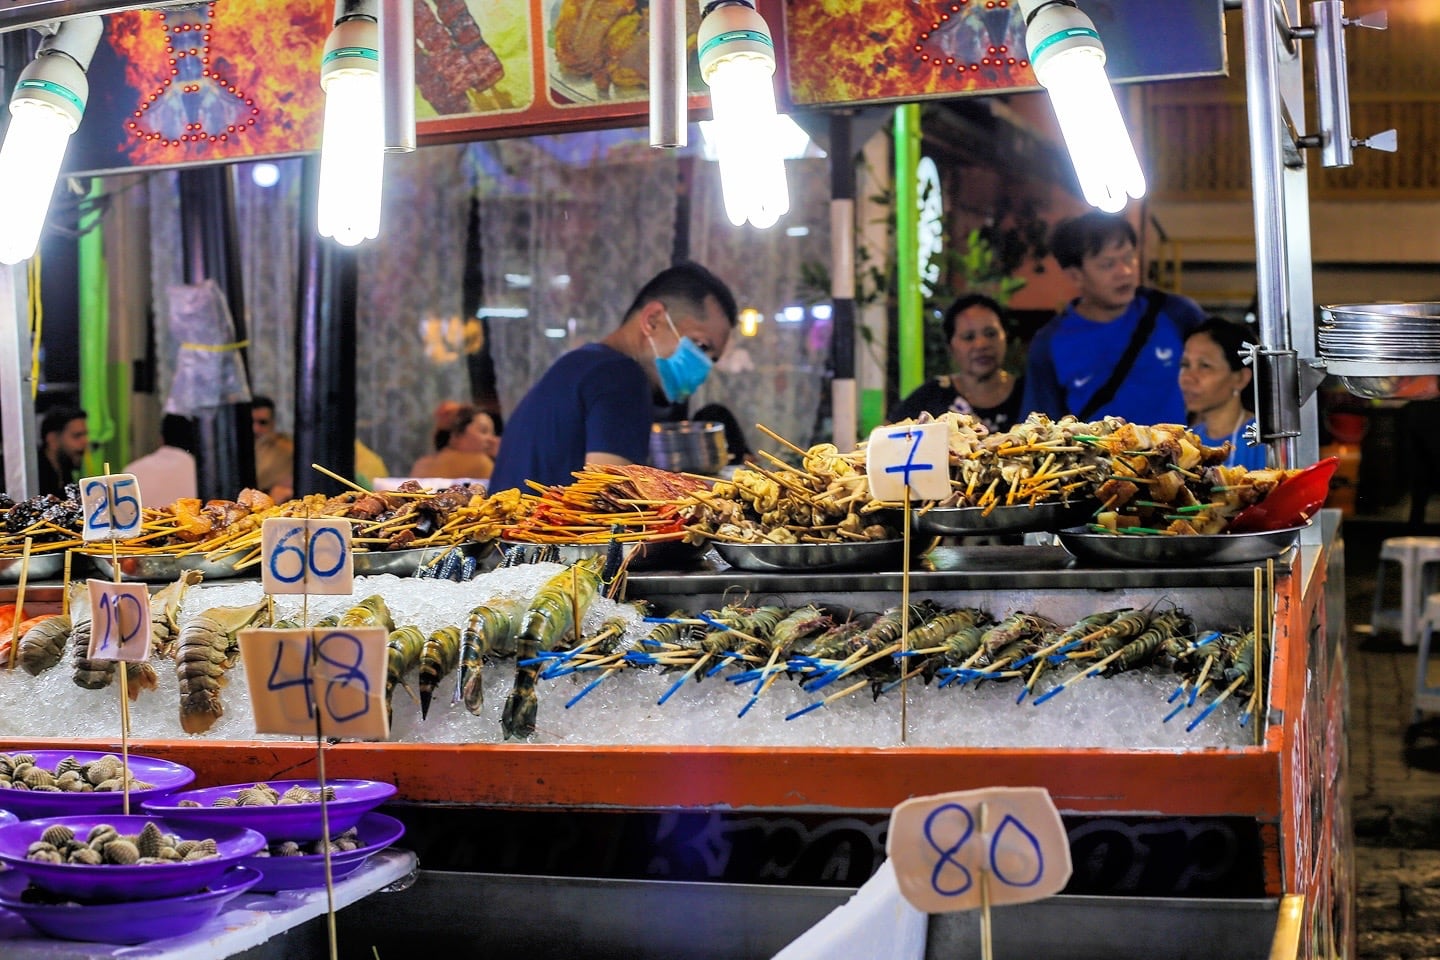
pixel 1115 350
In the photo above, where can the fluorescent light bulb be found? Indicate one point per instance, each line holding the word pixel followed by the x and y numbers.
pixel 1069 61
pixel 737 60
pixel 352 152
pixel 29 166
pixel 45 109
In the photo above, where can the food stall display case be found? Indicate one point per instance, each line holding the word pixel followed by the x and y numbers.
pixel 1254 822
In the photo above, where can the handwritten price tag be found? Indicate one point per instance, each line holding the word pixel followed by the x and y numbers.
pixel 339 672
pixel 119 621
pixel 940 851
pixel 111 506
pixel 306 556
pixel 915 455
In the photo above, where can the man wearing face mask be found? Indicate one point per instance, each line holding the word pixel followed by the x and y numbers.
pixel 594 404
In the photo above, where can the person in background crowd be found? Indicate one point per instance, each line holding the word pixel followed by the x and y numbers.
pixel 978 384
pixel 64 438
pixel 594 404
pixel 1115 350
pixel 487 427
pixel 460 453
pixel 168 473
pixel 274 451
pixel 1215 383
pixel 275 455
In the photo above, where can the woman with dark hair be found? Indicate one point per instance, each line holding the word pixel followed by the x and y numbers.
pixel 978 383
pixel 460 448
pixel 1216 385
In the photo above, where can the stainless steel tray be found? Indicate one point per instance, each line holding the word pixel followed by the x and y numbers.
pixel 871 555
pixel 166 567
pixel 404 563
pixel 1021 518
pixel 1176 551
pixel 659 555
pixel 43 566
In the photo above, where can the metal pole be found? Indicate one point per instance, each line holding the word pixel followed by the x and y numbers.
pixel 324 353
pixel 668 74
pixel 397 72
pixel 17 402
pixel 844 405
pixel 1279 418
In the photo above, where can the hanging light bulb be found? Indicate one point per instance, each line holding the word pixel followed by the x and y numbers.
pixel 1069 61
pixel 737 60
pixel 352 149
pixel 45 109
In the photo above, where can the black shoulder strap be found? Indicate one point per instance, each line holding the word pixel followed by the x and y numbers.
pixel 1143 330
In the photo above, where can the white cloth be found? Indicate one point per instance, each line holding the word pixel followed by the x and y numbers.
pixel 165 476
pixel 875 924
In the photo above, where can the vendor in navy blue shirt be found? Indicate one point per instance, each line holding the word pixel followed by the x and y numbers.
pixel 594 404
pixel 1075 356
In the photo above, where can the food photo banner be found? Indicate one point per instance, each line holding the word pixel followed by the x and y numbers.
pixel 240 79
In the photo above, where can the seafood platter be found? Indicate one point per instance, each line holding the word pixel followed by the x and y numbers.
pixel 280 809
pixel 123 879
pixel 41 783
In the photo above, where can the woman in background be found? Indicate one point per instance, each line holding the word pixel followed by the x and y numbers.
pixel 978 383
pixel 1216 385
pixel 460 449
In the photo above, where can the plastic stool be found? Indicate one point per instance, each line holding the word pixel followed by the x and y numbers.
pixel 1415 557
pixel 1427 698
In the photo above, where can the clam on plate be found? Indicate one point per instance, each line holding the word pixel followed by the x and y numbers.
pixel 285 821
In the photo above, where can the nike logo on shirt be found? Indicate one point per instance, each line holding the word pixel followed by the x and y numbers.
pixel 1081 381
pixel 1163 354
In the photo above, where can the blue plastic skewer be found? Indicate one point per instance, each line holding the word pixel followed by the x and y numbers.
pixel 804 710
pixel 671 692
pixel 1203 714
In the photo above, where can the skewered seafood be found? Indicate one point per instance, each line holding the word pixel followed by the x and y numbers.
pixel 165 613
pixel 208 648
pixel 402 654
pixel 552 614
pixel 490 630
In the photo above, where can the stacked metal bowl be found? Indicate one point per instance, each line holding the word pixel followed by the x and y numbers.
pixel 689 446
pixel 1377 348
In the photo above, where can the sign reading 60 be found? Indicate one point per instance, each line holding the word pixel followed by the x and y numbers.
pixel 306 556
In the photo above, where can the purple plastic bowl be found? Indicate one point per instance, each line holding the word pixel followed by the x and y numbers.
pixel 291 821
pixel 130 923
pixel 112 883
pixel 6 818
pixel 25 804
pixel 376 830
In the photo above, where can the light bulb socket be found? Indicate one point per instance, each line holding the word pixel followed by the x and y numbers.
pixel 56 81
pixel 732 29
pixel 353 46
pixel 1055 27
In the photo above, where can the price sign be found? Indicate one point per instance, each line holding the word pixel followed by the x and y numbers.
pixel 306 556
pixel 939 849
pixel 914 455
pixel 339 672
pixel 119 621
pixel 111 505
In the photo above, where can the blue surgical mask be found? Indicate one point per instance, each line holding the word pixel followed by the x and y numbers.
pixel 683 371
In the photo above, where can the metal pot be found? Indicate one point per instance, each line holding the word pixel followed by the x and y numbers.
pixel 689 446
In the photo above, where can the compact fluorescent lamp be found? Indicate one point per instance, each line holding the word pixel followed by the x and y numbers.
pixel 1069 60
pixel 737 60
pixel 352 151
pixel 46 107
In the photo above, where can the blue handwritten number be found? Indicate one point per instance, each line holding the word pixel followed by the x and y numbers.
pixel 284 546
pixel 100 516
pixel 947 853
pixel 1010 823
pixel 340 561
pixel 909 466
pixel 350 672
pixel 119 499
pixel 115 621
pixel 276 679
